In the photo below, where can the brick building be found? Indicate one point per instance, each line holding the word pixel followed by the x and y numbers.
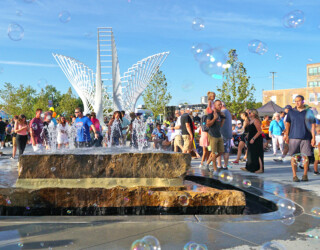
pixel 311 92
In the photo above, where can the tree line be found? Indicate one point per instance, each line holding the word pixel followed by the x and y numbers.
pixel 25 100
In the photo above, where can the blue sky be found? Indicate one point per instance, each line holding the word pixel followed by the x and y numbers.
pixel 146 27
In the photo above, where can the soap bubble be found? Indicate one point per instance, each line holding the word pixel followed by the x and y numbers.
pixel 310 59
pixel 225 177
pixel 69 211
pixel 28 208
pixel 293 19
pixel 300 160
pixel 89 161
pixel 95 205
pixel 140 245
pixel 126 199
pixel 190 245
pixel 42 244
pixel 20 244
pixel 187 86
pixel 42 83
pixel 197 24
pixel 288 219
pixel 183 200
pixel 64 16
pixel 310 118
pixel 8 201
pixel 150 192
pixel 315 212
pixel 53 169
pixel 199 50
pixel 15 32
pixel 286 207
pixel 19 12
pixel 272 245
pixel 246 183
pixel 278 56
pixel 152 241
pixel 257 47
pixel 213 62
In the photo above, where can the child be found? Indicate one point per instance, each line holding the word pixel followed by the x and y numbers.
pixel 211 97
pixel 316 152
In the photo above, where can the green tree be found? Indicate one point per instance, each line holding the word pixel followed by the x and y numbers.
pixel 17 100
pixel 156 95
pixel 68 103
pixel 236 91
pixel 46 94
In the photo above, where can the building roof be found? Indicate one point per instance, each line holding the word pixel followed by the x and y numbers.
pixel 269 109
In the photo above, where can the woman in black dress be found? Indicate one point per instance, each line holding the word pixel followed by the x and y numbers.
pixel 255 144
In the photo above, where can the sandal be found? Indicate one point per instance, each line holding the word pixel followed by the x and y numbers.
pixel 244 169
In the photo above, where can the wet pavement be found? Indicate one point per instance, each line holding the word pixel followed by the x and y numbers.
pixel 248 231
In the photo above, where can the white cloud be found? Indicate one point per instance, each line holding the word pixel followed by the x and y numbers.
pixel 30 64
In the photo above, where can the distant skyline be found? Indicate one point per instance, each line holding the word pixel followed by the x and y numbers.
pixel 146 27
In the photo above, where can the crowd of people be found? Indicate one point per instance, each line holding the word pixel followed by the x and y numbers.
pixel 214 135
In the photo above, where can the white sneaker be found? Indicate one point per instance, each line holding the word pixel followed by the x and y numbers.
pixel 201 165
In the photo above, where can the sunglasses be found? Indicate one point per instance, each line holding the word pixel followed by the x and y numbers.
pixel 76 112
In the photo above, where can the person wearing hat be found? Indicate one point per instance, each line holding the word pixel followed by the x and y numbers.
pixel 53 114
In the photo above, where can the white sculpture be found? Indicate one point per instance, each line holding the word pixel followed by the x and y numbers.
pixel 105 91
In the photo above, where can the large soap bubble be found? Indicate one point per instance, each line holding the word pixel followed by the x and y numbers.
pixel 315 212
pixel 293 19
pixel 15 32
pixel 152 241
pixel 213 62
pixel 225 176
pixel 257 47
pixel 64 16
pixel 199 51
pixel 286 207
pixel 197 24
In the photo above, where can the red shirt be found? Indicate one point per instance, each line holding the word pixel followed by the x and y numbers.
pixel 96 123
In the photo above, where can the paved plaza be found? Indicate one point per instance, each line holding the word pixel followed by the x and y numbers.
pixel 174 231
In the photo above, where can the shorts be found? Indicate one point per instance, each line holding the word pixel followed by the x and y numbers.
pixel 178 141
pixel 2 137
pixel 14 142
pixel 158 142
pixel 227 145
pixel 186 142
pixel 216 144
pixel 316 154
pixel 244 137
pixel 300 146
pixel 63 140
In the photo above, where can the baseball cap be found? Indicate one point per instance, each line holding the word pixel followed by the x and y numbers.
pixel 234 122
pixel 288 107
pixel 239 122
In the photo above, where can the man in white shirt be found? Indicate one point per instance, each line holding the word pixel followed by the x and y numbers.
pixel 178 141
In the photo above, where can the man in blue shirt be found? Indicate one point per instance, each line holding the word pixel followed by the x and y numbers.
pixel 158 136
pixel 300 135
pixel 83 124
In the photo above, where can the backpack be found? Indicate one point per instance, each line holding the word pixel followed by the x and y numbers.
pixel 9 129
pixel 204 127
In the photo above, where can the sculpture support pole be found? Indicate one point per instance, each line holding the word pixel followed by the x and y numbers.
pixel 98 91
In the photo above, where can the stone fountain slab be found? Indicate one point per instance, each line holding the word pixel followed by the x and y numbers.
pixel 123 165
pixel 120 200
